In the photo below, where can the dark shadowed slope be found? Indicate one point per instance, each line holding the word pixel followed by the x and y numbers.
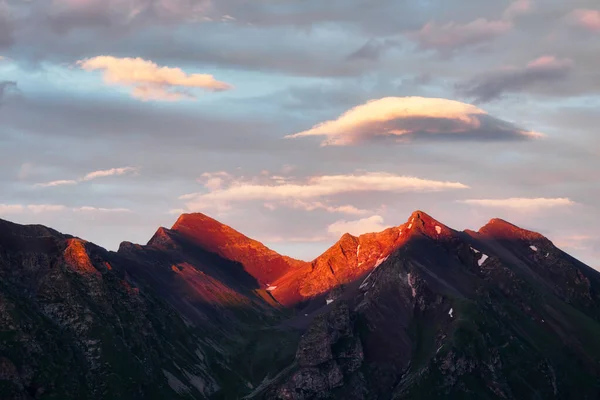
pixel 419 311
pixel 453 315
pixel 73 326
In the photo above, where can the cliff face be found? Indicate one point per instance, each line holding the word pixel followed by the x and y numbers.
pixel 202 311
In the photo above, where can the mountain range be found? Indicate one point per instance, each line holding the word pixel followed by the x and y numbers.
pixel 417 311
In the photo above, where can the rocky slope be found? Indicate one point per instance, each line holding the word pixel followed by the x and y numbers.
pixel 74 326
pixel 202 311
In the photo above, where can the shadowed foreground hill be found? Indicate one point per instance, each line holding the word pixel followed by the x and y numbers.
pixel 419 311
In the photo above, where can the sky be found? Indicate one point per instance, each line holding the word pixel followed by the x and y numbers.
pixel 295 121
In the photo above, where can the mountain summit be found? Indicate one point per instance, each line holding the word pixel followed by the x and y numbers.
pixel 201 311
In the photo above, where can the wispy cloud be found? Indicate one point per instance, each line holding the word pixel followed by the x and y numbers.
pixel 149 81
pixel 7 209
pixel 317 205
pixel 413 117
pixel 544 70
pixel 57 183
pixel 374 223
pixel 91 176
pixel 519 203
pixel 450 36
pixel 309 193
pixel 101 210
pixel 109 172
pixel 10 209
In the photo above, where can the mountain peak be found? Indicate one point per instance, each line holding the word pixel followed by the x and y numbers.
pixel 502 229
pixel 258 260
pixel 420 221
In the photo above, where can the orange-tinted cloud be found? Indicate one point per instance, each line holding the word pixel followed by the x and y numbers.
pixel 410 117
pixel 149 81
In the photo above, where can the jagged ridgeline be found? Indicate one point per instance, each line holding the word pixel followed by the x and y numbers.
pixel 418 311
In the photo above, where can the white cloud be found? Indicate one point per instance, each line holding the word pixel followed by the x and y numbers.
pixel 87 209
pixel 318 187
pixel 57 183
pixel 411 116
pixel 149 81
pixel 358 227
pixel 525 204
pixel 90 176
pixel 317 205
pixel 9 209
pixel 109 172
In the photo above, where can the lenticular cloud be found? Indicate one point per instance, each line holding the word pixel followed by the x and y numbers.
pixel 405 118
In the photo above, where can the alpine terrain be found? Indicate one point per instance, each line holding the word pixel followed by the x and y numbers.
pixel 418 311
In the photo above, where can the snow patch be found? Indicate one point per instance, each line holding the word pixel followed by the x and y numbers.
pixel 450 313
pixel 533 248
pixel 438 229
pixel 482 259
pixel 329 301
pixel 270 288
pixel 547 254
pixel 410 225
pixel 475 250
pixel 357 251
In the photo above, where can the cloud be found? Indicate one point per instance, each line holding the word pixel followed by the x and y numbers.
pixel 109 172
pixel 358 227
pixel 450 36
pixel 301 192
pixel 150 81
pixel 57 183
pixel 575 242
pixel 88 209
pixel 90 176
pixel 373 49
pixel 7 209
pixel 586 19
pixel 542 71
pixel 215 180
pixel 524 204
pixel 517 8
pixel 413 117
pixel 317 205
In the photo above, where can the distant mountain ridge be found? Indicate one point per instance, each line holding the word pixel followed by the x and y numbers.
pixel 202 311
